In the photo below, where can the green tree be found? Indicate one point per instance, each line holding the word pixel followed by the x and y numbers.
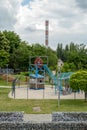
pixel 52 58
pixel 20 57
pixel 83 57
pixel 78 81
pixel 4 58
pixel 13 38
pixel 4 43
pixel 4 50
pixel 40 50
pixel 73 53
pixel 60 52
pixel 14 42
pixel 68 67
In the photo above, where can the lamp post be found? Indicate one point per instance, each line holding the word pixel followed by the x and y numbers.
pixel 7 73
pixel 59 82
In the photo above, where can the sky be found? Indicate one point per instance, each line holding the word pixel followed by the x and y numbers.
pixel 67 20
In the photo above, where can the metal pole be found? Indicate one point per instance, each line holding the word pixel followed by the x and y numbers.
pixel 44 85
pixel 7 74
pixel 14 94
pixel 59 86
pixel 27 89
pixel 58 92
pixel 58 98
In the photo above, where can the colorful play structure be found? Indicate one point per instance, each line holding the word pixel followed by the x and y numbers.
pixel 37 73
pixel 38 70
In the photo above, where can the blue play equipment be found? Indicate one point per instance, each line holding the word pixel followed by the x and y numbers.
pixel 35 70
pixel 57 80
pixel 52 76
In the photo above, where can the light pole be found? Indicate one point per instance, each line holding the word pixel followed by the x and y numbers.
pixel 7 73
pixel 59 82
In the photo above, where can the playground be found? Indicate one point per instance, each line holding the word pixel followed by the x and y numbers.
pixel 36 87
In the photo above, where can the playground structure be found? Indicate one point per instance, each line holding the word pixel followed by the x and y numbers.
pixel 37 73
pixel 37 76
pixel 36 81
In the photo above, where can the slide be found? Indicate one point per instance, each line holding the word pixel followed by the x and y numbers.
pixel 53 77
pixel 56 81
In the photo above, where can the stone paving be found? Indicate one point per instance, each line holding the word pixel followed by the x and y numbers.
pixel 38 117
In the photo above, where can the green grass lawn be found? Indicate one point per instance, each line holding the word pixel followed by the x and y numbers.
pixel 4 82
pixel 46 106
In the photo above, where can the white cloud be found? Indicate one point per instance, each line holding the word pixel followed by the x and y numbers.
pixel 8 12
pixel 67 20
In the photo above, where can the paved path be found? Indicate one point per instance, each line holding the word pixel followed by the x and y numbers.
pixel 37 117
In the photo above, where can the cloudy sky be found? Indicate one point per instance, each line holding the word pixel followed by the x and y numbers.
pixel 67 20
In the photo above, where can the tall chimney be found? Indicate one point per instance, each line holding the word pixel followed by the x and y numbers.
pixel 46 32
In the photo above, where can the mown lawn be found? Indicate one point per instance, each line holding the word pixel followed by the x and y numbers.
pixel 46 106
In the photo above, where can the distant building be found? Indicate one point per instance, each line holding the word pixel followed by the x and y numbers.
pixel 60 62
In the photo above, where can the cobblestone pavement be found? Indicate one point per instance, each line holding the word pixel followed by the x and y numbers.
pixel 38 117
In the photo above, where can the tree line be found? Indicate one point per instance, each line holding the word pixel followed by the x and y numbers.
pixel 16 52
pixel 73 55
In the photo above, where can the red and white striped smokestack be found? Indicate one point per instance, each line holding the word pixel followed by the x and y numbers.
pixel 46 32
